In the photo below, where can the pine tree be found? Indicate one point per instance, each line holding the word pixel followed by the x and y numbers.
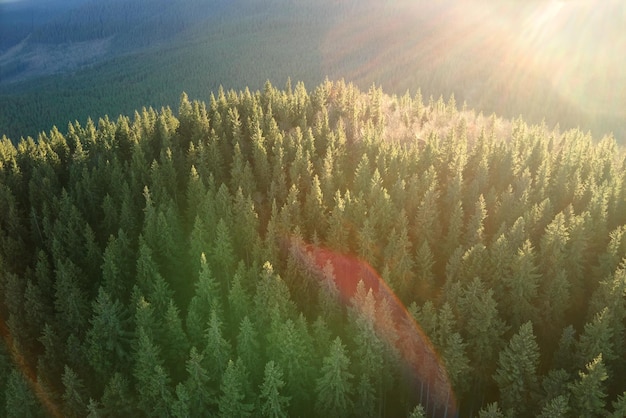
pixel 597 338
pixel 150 281
pixel 180 407
pixel 398 257
pixel 207 298
pixel 521 286
pixel 619 406
pixel 286 346
pixel 71 301
pixel 199 391
pixel 369 362
pixel 418 412
pixel 425 280
pixel 74 397
pixel 246 240
pixel 482 326
pixel 475 229
pixel 151 379
pixel 517 372
pixel 217 350
pixel 273 404
pixel 588 393
pixel 492 410
pixel 232 402
pixel 556 408
pixel 248 348
pixel 108 338
pixel 314 209
pixel 117 399
pixel 20 401
pixel 457 363
pixel 174 341
pixel 118 266
pixel 334 386
pixel 222 256
pixel 239 301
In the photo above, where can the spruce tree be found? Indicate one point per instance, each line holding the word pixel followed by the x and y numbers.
pixel 588 392
pixel 273 403
pixel 232 402
pixel 334 386
pixel 517 372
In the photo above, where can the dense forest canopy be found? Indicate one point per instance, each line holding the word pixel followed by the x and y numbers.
pixel 555 60
pixel 144 269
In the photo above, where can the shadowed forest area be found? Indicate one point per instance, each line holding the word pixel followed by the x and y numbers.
pixel 144 272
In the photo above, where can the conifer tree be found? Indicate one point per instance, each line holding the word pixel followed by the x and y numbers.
pixel 222 255
pixel 273 403
pixel 248 348
pixel 180 406
pixel 556 408
pixel 286 345
pixel 517 372
pixel 117 399
pixel 239 301
pixel 151 379
pixel 74 395
pixel 232 402
pixel 491 410
pixel 521 286
pixel 118 266
pixel 217 350
pixel 334 386
pixel 619 406
pixel 418 412
pixel 588 392
pixel 207 298
pixel 596 339
pixel 246 241
pixel 198 386
pixel 108 338
pixel 174 341
pixel 20 400
pixel 71 303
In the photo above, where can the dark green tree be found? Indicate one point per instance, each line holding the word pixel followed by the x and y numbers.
pixel 108 338
pixel 20 400
pixel 334 386
pixel 217 350
pixel 588 392
pixel 232 402
pixel 151 379
pixel 74 396
pixel 248 348
pixel 207 298
pixel 117 398
pixel 273 403
pixel 199 391
pixel 516 374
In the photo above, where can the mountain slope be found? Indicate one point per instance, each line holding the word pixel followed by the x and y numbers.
pixel 554 60
pixel 159 265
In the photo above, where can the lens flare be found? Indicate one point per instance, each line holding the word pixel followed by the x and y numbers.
pixel 415 348
pixel 27 372
pixel 560 60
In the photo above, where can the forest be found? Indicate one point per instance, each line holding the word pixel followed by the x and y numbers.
pixel 555 60
pixel 162 264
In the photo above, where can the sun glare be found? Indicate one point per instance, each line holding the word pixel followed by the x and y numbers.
pixel 510 57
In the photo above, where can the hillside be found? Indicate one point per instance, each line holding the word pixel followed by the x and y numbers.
pixel 198 262
pixel 558 61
